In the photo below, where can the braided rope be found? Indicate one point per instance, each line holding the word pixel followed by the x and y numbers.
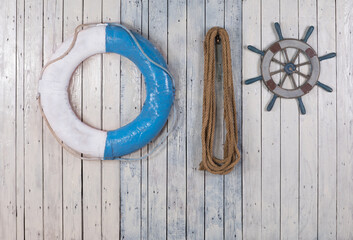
pixel 231 152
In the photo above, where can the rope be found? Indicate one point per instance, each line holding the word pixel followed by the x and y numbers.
pixel 231 152
pixel 78 154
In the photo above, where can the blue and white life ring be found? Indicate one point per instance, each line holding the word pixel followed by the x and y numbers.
pixel 54 97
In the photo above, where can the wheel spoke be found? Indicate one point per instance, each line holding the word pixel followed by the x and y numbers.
pixel 283 79
pixel 302 64
pixel 277 61
pixel 275 72
pixel 285 55
pixel 295 57
pixel 302 74
pixel 293 81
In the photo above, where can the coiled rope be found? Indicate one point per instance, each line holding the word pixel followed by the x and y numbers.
pixel 231 152
pixel 163 137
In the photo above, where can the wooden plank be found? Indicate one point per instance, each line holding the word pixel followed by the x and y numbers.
pixel 157 163
pixel 195 178
pixel 52 151
pixel 20 143
pixel 176 141
pixel 8 120
pixel 214 184
pixel 308 137
pixel 91 113
pixel 344 21
pixel 72 207
pixel 251 124
pixel 233 181
pixel 271 136
pixel 111 120
pixel 327 123
pixel 130 171
pixel 289 136
pixel 144 162
pixel 33 121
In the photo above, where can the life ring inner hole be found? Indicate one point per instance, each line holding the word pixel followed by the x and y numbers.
pixel 109 84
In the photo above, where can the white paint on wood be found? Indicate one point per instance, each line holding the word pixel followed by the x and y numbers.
pixel 157 163
pixel 8 120
pixel 344 142
pixel 195 178
pixel 308 136
pixel 289 136
pixel 111 120
pixel 72 202
pixel 251 123
pixel 176 210
pixel 130 171
pixel 91 114
pixel 214 184
pixel 233 181
pixel 271 135
pixel 20 144
pixel 33 121
pixel 52 151
pixel 327 153
pixel 170 193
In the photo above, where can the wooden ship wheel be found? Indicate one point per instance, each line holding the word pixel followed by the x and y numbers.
pixel 298 58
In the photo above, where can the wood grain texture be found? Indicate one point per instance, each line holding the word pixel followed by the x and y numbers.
pixel 308 146
pixel 295 179
pixel 52 151
pixel 214 184
pixel 72 166
pixel 91 114
pixel 8 121
pixel 176 203
pixel 344 45
pixel 195 179
pixel 327 125
pixel 111 120
pixel 251 124
pixel 289 137
pixel 271 135
pixel 130 91
pixel 33 169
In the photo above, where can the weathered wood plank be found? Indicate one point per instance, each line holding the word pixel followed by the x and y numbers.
pixel 344 38
pixel 52 151
pixel 72 205
pixel 111 120
pixel 308 137
pixel 33 121
pixel 91 114
pixel 20 143
pixel 251 124
pixel 289 136
pixel 176 141
pixel 327 165
pixel 130 171
pixel 271 136
pixel 195 178
pixel 8 120
pixel 214 184
pixel 144 163
pixel 233 181
pixel 157 163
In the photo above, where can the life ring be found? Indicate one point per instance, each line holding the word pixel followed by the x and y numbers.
pixel 82 138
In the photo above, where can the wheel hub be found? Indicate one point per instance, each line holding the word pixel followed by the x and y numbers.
pixel 289 68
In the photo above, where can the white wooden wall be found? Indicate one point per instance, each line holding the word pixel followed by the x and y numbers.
pixel 295 179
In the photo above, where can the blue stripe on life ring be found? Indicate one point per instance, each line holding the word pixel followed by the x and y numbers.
pixel 159 94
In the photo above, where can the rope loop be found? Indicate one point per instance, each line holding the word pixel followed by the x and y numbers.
pixel 231 152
